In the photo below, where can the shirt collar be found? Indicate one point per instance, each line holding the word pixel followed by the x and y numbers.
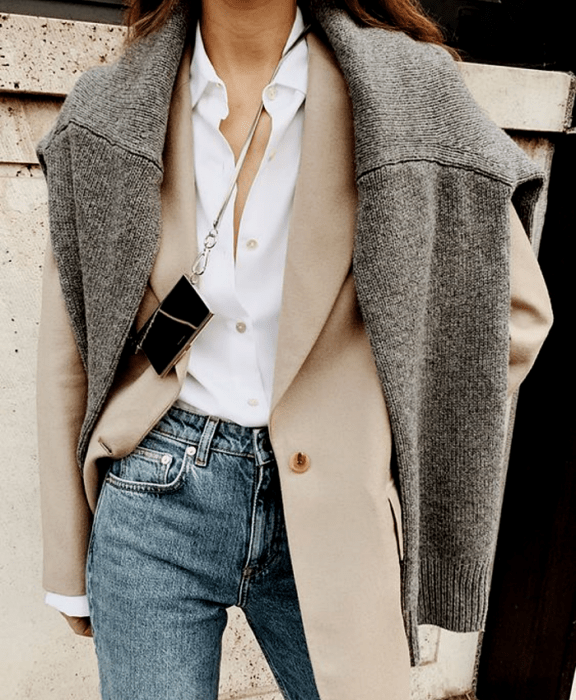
pixel 293 72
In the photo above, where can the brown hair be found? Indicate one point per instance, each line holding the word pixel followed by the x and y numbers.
pixel 146 16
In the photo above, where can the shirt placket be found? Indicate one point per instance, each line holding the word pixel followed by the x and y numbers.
pixel 243 330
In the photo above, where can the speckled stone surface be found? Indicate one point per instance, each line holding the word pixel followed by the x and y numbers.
pixel 30 666
pixel 244 673
pixel 448 665
pixel 46 56
pixel 23 121
pixel 522 99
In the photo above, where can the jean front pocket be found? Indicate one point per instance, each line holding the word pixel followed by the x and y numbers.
pixel 148 470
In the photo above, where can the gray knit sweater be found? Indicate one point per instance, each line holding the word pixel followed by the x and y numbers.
pixel 431 265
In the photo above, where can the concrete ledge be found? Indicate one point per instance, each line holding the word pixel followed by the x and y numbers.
pixel 23 122
pixel 522 99
pixel 41 56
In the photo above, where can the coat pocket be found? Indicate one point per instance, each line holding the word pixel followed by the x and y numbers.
pixel 394 501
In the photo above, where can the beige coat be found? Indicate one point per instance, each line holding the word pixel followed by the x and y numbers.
pixel 342 513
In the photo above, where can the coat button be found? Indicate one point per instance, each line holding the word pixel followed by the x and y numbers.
pixel 299 462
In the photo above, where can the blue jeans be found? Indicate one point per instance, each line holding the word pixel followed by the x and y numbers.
pixel 187 525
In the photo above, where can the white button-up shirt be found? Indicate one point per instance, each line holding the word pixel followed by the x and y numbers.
pixel 231 366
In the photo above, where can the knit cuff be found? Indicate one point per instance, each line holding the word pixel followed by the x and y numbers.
pixel 454 594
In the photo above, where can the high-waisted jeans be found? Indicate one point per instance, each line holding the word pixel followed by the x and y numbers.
pixel 187 525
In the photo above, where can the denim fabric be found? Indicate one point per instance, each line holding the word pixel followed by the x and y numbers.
pixel 187 525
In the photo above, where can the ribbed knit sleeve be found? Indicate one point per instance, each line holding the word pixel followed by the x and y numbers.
pixel 431 263
pixel 56 161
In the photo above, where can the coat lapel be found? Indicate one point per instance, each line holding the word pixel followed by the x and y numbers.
pixel 320 246
pixel 177 248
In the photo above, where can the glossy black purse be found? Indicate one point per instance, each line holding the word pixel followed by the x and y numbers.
pixel 173 326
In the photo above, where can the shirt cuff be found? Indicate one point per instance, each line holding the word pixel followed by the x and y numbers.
pixel 71 605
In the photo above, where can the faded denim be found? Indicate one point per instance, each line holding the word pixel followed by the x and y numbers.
pixel 187 525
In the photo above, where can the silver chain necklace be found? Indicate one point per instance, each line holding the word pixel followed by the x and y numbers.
pixel 201 262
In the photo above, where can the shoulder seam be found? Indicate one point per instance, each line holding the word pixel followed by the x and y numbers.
pixel 61 129
pixel 445 164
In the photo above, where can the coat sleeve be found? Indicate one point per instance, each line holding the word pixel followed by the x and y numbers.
pixel 61 401
pixel 530 308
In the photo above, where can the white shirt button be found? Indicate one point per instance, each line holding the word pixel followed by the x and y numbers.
pixel 241 327
pixel 271 92
pixel 166 459
pixel 253 402
pixel 272 154
pixel 190 451
pixel 252 243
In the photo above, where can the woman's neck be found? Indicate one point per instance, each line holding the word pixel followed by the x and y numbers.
pixel 246 36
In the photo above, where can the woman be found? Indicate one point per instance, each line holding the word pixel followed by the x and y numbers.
pixel 334 386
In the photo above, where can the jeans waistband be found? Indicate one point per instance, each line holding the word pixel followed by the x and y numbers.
pixel 205 432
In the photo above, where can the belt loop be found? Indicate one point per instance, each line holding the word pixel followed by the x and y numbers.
pixel 262 445
pixel 205 441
